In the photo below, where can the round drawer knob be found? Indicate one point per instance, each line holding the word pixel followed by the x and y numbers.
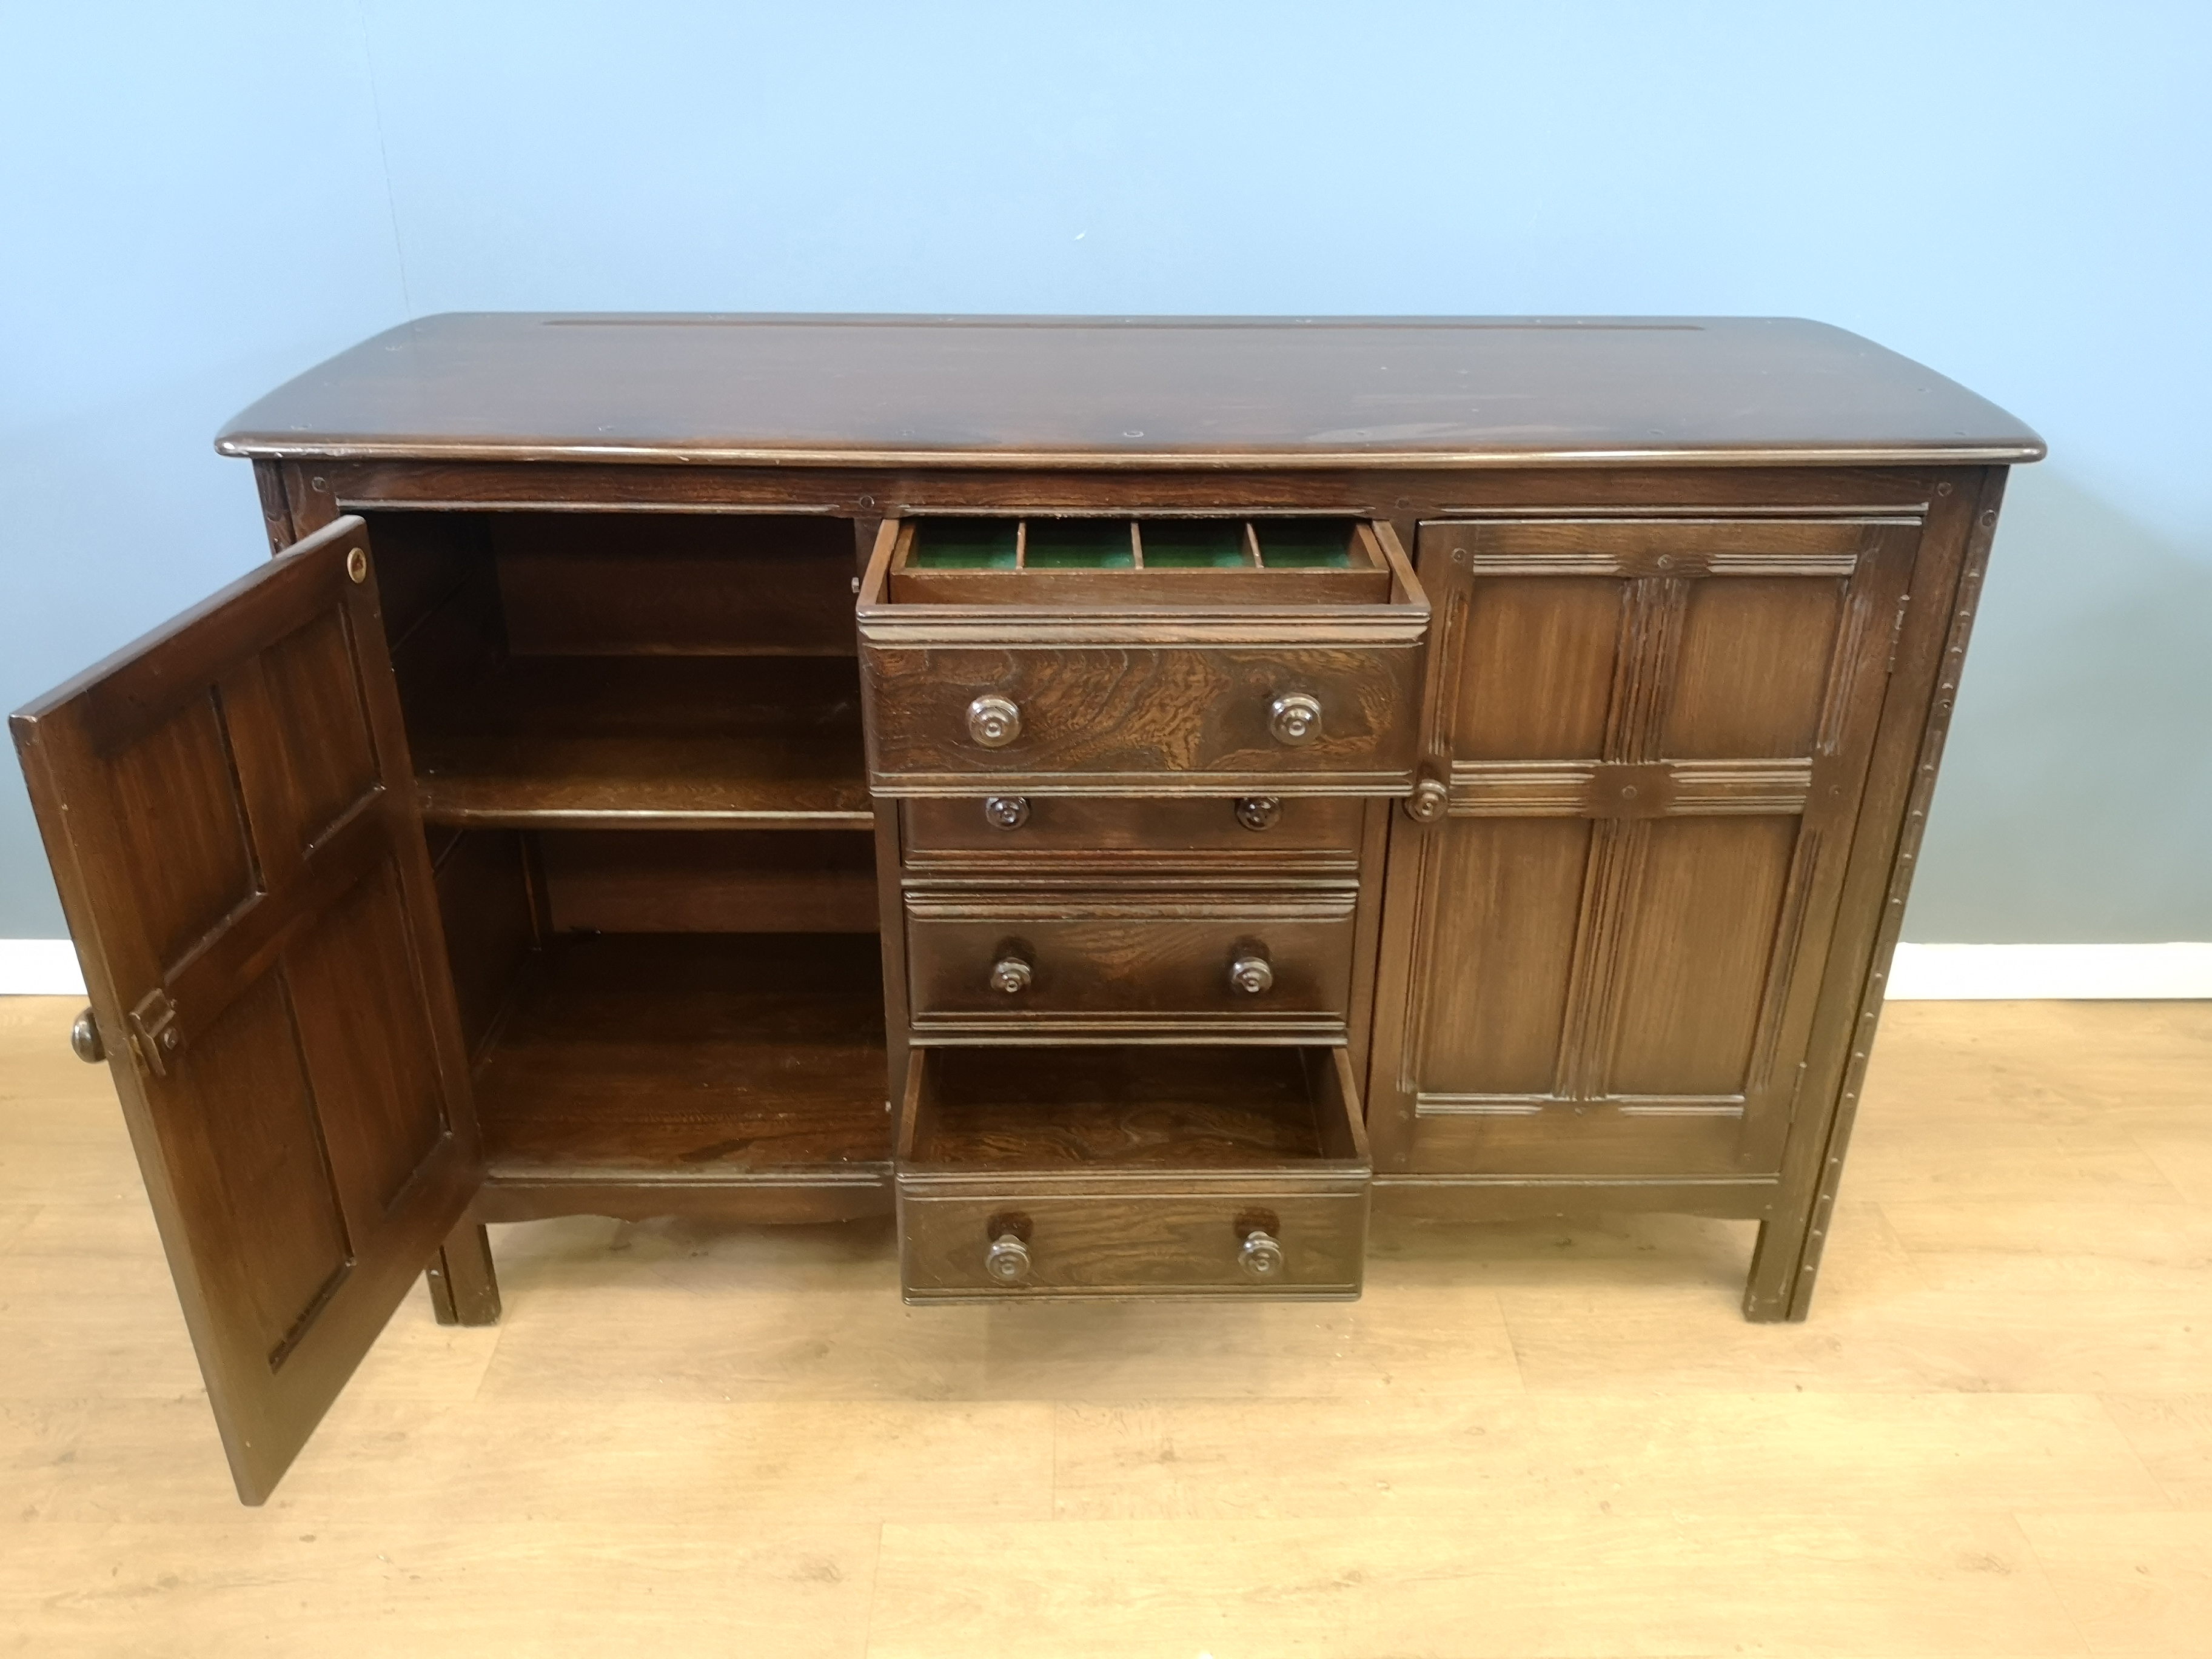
pixel 1261 1257
pixel 1258 812
pixel 1427 802
pixel 84 1040
pixel 1295 718
pixel 995 722
pixel 1006 811
pixel 1011 975
pixel 1251 974
pixel 1007 1260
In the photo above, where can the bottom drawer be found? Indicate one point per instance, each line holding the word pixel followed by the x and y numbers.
pixel 1136 1171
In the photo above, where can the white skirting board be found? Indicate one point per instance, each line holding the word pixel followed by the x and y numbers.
pixel 39 967
pixel 2058 972
pixel 1922 973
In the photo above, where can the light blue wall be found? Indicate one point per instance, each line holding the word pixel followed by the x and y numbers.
pixel 200 202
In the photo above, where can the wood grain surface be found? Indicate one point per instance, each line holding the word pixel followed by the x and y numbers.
pixel 618 742
pixel 589 584
pixel 692 1059
pixel 1141 718
pixel 228 809
pixel 1307 828
pixel 1130 962
pixel 1123 390
pixel 1527 1439
pixel 1131 1171
pixel 1652 736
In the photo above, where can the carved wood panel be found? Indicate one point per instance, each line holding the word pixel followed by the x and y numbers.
pixel 1653 733
pixel 230 812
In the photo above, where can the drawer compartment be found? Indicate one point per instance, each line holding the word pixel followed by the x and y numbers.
pixel 1276 656
pixel 1116 720
pixel 1085 562
pixel 1117 966
pixel 1143 1170
pixel 1315 828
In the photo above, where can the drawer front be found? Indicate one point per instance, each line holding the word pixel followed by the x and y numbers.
pixel 1120 969
pixel 1247 825
pixel 1160 720
pixel 1147 1244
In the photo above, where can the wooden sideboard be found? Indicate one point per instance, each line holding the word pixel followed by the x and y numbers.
pixel 1130 793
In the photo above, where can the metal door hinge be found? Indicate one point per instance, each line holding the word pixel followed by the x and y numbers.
pixel 154 1031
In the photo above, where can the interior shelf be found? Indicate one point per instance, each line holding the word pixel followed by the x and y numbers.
pixel 641 742
pixel 688 1058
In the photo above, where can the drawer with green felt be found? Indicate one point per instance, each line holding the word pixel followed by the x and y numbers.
pixel 1272 656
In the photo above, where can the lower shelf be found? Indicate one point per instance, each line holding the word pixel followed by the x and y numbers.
pixel 688 1061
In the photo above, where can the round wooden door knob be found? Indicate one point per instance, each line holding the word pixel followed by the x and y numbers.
pixel 84 1039
pixel 1295 718
pixel 1251 974
pixel 1011 975
pixel 1261 1257
pixel 1007 1260
pixel 994 722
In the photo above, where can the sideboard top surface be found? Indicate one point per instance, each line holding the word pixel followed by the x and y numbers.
pixel 1126 391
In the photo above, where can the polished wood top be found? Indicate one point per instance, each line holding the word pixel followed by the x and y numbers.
pixel 1126 391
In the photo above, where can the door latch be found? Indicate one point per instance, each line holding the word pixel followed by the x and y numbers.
pixel 154 1031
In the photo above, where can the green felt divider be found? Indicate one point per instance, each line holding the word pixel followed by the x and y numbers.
pixel 1193 544
pixel 1305 543
pixel 962 545
pixel 1079 545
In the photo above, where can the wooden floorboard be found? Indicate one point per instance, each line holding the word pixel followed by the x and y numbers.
pixel 1994 1437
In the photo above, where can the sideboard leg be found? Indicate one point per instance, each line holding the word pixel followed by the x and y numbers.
pixel 464 1289
pixel 1784 1264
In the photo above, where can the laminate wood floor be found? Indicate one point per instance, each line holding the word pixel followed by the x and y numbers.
pixel 1994 1438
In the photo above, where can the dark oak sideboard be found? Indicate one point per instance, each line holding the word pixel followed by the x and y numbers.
pixel 1128 794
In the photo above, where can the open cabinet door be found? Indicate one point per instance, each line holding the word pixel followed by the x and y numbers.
pixel 230 812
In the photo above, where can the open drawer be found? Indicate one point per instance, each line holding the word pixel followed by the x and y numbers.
pixel 1237 656
pixel 1135 1169
pixel 1079 562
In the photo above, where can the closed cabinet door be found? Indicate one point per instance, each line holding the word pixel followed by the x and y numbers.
pixel 230 813
pixel 1647 740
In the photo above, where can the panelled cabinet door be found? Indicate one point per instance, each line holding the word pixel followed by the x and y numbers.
pixel 230 812
pixel 1653 735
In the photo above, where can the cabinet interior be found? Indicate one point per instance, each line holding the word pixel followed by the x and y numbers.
pixel 637 746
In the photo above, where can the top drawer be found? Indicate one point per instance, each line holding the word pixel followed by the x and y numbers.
pixel 1096 655
pixel 1111 563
